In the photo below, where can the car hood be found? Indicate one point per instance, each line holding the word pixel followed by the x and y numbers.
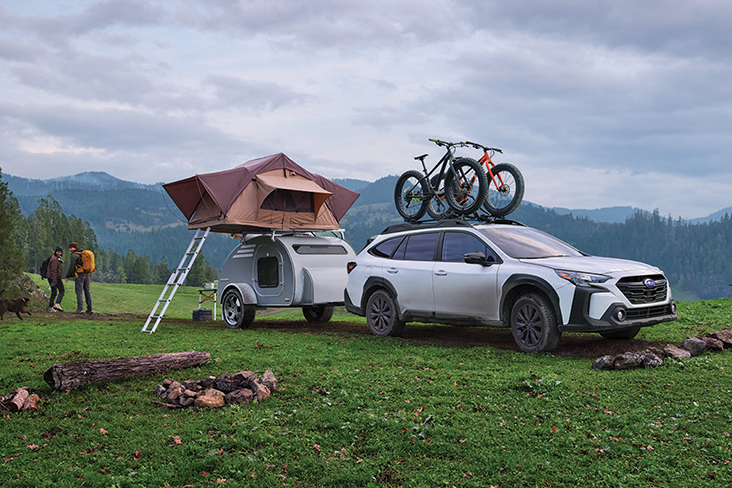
pixel 596 265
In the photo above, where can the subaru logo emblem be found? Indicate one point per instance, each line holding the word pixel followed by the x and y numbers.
pixel 649 283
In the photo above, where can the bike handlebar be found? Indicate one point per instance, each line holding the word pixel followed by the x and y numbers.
pixel 466 143
pixel 481 146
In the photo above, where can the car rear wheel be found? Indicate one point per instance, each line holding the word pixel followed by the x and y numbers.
pixel 382 315
pixel 318 313
pixel 624 334
pixel 534 324
pixel 236 314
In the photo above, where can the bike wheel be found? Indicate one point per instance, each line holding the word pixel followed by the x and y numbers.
pixel 437 206
pixel 411 195
pixel 505 190
pixel 465 186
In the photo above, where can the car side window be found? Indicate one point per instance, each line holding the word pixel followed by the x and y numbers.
pixel 455 245
pixel 386 248
pixel 418 247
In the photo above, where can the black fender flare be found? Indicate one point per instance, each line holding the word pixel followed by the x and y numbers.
pixel 378 282
pixel 524 279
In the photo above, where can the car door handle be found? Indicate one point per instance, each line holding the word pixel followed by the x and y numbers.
pixel 392 270
pixel 441 272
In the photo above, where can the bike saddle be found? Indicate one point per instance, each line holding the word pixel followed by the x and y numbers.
pixel 421 158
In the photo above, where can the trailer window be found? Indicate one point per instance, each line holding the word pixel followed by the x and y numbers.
pixel 268 275
pixel 319 249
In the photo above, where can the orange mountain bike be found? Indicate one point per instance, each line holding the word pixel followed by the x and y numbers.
pixel 505 183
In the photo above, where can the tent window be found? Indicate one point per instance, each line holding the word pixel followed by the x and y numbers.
pixel 268 275
pixel 289 201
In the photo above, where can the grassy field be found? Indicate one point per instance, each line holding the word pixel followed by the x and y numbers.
pixel 361 410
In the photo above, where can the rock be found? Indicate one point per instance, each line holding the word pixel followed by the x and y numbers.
pixel 713 344
pixel 603 363
pixel 174 392
pixel 210 398
pixel 244 378
pixel 27 288
pixel 225 384
pixel 167 383
pixel 208 382
pixel 268 379
pixel 243 395
pixel 261 392
pixel 186 401
pixel 724 335
pixel 160 391
pixel 674 352
pixel 190 393
pixel 651 359
pixel 694 345
pixel 628 360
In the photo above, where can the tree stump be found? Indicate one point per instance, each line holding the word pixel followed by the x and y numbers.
pixel 74 374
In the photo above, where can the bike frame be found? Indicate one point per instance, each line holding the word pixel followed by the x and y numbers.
pixel 486 160
pixel 445 164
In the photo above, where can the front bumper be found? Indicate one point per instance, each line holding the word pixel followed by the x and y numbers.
pixel 617 315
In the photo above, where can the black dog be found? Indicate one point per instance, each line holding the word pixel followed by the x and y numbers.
pixel 16 305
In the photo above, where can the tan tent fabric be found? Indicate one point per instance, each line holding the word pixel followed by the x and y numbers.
pixel 272 193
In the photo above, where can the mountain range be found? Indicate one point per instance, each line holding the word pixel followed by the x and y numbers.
pixel 127 215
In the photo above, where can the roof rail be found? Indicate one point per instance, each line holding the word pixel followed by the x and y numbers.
pixel 437 224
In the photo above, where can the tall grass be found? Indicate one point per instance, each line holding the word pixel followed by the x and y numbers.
pixel 363 411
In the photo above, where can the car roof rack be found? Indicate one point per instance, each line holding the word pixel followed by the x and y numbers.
pixel 437 224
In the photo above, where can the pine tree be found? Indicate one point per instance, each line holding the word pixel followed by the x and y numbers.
pixel 12 262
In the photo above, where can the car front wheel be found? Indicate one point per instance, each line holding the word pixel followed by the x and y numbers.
pixel 534 324
pixel 236 314
pixel 382 315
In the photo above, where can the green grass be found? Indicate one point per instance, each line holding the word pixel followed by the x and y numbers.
pixel 363 411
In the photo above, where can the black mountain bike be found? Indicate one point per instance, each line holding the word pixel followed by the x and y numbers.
pixel 459 182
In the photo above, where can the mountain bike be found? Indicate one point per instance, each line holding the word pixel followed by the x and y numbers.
pixel 459 182
pixel 505 183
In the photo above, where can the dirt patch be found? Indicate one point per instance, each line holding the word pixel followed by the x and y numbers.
pixel 571 345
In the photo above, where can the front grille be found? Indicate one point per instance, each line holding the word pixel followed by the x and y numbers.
pixel 638 292
pixel 648 312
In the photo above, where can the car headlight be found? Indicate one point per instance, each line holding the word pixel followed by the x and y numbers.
pixel 581 279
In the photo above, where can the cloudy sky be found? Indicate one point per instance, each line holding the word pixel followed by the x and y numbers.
pixel 599 103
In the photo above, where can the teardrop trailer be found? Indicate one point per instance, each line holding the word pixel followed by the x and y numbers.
pixel 295 269
pixel 292 252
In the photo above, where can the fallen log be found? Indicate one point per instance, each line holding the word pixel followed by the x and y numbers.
pixel 74 374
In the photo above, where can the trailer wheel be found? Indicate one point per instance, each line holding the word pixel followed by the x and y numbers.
pixel 318 313
pixel 236 314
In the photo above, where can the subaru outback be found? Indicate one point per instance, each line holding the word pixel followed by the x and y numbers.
pixel 501 274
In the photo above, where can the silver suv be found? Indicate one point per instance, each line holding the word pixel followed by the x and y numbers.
pixel 501 275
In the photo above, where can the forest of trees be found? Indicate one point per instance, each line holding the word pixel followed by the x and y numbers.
pixel 32 239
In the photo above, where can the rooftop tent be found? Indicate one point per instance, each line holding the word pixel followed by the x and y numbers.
pixel 272 192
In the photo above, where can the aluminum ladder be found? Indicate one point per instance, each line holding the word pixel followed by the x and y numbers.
pixel 176 279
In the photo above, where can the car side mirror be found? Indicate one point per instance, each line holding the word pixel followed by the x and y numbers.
pixel 478 258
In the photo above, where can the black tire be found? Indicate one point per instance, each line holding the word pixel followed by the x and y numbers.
pixel 437 206
pixel 505 190
pixel 411 195
pixel 534 324
pixel 318 313
pixel 467 193
pixel 382 315
pixel 624 334
pixel 235 313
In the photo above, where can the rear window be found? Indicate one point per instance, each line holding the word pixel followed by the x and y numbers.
pixel 319 249
pixel 417 247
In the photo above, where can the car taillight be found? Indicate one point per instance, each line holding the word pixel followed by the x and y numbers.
pixel 350 266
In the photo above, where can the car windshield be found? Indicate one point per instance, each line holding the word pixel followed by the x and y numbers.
pixel 527 243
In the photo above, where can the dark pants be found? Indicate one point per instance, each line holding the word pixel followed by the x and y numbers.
pixel 82 284
pixel 56 287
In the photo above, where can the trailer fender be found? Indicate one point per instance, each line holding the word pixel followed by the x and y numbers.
pixel 247 292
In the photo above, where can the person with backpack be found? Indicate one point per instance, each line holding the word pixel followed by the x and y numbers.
pixel 81 267
pixel 54 274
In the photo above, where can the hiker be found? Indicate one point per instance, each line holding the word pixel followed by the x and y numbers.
pixel 82 278
pixel 54 273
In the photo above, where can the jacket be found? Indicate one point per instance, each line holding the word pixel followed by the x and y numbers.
pixel 55 271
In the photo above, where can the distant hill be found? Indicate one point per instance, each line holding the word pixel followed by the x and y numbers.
pixel 352 184
pixel 613 215
pixel 90 180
